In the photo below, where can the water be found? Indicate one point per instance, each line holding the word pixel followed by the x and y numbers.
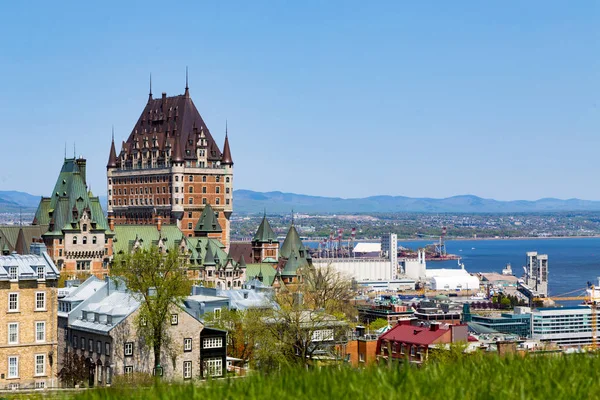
pixel 571 262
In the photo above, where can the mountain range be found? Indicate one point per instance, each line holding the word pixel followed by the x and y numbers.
pixel 248 201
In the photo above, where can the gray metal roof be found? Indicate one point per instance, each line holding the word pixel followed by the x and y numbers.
pixel 105 314
pixel 27 266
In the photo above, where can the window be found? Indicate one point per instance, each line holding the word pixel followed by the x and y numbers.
pixel 218 189
pixel 413 350
pixel 187 344
pixel 227 190
pixel 402 348
pixel 322 335
pixel 85 225
pixel 174 319
pixel 41 270
pixel 187 369
pixel 129 349
pixel 217 200
pixel 191 189
pixel 203 200
pixel 40 364
pixel 227 180
pixel 82 343
pixel 218 179
pixel 13 333
pixel 74 239
pixel 40 385
pixel 361 357
pixel 203 189
pixel 214 367
pixel 90 345
pixel 108 376
pixel 217 312
pixel 100 374
pixel 13 273
pixel 75 342
pixel 40 301
pixel 128 369
pixel 40 331
pixel 212 343
pixel 204 178
pixel 190 225
pixel 191 200
pixel 13 367
pixel 60 252
pixel 191 178
pixel 84 240
pixel 13 302
pixel 98 347
pixel 94 240
pixel 107 348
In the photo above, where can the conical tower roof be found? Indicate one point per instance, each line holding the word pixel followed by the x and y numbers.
pixel 112 158
pixel 226 160
pixel 264 234
pixel 291 243
pixel 21 246
pixel 208 222
pixel 242 262
pixel 209 259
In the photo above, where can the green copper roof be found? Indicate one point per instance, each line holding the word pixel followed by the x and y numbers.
pixel 264 234
pixel 9 235
pixel 291 243
pixel 147 235
pixel 68 201
pixel 208 222
pixel 267 271
pixel 207 251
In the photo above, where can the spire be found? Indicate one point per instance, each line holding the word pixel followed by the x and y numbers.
pixel 150 94
pixel 20 247
pixel 177 156
pixel 112 158
pixel 187 89
pixel 264 234
pixel 226 158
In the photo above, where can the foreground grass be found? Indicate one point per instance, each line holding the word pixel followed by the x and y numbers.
pixel 481 377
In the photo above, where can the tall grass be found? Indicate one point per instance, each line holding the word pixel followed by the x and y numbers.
pixel 479 377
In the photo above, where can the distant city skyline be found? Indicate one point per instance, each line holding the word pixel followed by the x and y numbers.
pixel 341 99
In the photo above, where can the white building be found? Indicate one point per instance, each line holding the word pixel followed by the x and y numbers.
pixel 569 326
pixel 452 279
pixel 415 268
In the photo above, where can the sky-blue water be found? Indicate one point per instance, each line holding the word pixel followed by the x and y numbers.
pixel 572 262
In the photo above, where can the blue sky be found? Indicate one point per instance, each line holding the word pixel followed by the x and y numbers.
pixel 335 98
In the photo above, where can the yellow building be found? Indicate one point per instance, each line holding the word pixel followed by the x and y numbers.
pixel 28 318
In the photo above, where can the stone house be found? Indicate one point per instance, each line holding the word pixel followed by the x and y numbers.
pixel 28 295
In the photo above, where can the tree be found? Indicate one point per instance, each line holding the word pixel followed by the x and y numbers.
pixel 73 371
pixel 378 324
pixel 159 280
pixel 325 288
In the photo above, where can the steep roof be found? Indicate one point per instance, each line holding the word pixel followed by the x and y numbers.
pixel 265 234
pixel 208 222
pixel 112 157
pixel 291 243
pixel 146 236
pixel 162 121
pixel 69 200
pixel 240 249
pixel 266 270
pixel 226 153
pixel 10 233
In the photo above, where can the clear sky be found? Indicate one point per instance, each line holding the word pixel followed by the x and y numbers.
pixel 334 98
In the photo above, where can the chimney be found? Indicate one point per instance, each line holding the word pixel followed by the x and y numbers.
pixel 81 165
pixel 111 221
pixel 434 327
pixel 158 222
pixel 164 98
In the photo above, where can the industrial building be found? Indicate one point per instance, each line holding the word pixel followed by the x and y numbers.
pixel 536 273
pixel 452 279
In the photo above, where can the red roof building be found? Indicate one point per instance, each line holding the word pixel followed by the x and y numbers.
pixel 413 343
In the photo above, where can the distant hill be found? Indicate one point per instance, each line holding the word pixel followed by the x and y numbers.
pixel 250 201
pixel 13 202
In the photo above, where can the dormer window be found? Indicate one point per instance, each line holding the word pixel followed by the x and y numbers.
pixel 12 271
pixel 41 272
pixel 84 227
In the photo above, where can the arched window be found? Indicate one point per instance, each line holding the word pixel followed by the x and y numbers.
pixel 84 227
pixel 217 201
pixel 85 240
pixel 74 239
pixel 191 189
pixel 94 240
pixel 191 200
pixel 176 178
pixel 218 189
pixel 218 179
pixel 227 180
pixel 204 178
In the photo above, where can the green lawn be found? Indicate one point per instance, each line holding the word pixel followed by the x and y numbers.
pixel 479 377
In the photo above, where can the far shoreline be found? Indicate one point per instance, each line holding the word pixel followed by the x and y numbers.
pixel 454 239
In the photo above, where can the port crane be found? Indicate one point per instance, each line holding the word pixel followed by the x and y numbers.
pixel 589 299
pixel 440 246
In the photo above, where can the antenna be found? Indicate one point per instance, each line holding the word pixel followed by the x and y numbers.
pixel 74 152
pixel 186 78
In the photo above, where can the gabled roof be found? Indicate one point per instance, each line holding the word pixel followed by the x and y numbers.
pixel 208 222
pixel 414 335
pixel 146 236
pixel 266 270
pixel 264 234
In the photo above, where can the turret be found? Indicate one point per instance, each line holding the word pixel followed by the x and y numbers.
pixel 112 158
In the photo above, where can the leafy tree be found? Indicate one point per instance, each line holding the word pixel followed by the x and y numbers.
pixel 378 324
pixel 159 279
pixel 505 303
